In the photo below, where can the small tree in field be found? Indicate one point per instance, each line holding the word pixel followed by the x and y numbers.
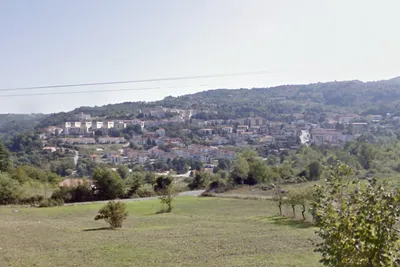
pixel 278 197
pixel 304 197
pixel 114 213
pixel 357 221
pixel 293 200
pixel 167 196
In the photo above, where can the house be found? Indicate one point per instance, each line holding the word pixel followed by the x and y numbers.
pixel 50 148
pixel 120 125
pixel 255 129
pixel 267 139
pixel 242 127
pixel 115 158
pixel 327 136
pixel 206 131
pixel 227 130
pixel 256 121
pixel 97 125
pixel 108 124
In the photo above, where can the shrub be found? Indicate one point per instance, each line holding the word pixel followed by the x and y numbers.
pixel 31 200
pixel 48 202
pixel 162 183
pixel 114 213
pixel 63 193
pixel 358 225
pixel 10 189
pixel 199 181
pixel 145 193
pixel 218 186
pixel 167 197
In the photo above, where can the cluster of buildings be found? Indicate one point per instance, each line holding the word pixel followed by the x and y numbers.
pixel 204 154
pixel 214 135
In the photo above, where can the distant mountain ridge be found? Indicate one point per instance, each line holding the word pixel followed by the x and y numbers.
pixel 352 96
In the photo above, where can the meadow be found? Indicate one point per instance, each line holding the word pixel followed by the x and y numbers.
pixel 198 232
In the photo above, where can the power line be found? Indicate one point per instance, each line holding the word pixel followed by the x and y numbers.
pixel 136 81
pixel 95 91
pixel 84 92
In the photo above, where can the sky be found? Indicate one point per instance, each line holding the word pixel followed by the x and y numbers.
pixel 47 42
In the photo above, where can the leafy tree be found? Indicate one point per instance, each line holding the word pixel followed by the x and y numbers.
pixel 150 178
pixel 241 170
pixel 123 171
pixel 114 213
pixel 5 162
pixel 224 164
pixel 167 197
pixel 278 197
pixel 258 172
pixel 314 171
pixel 134 182
pixel 162 183
pixel 199 181
pixel 304 197
pixel 357 224
pixel 10 189
pixel 108 183
pixel 293 200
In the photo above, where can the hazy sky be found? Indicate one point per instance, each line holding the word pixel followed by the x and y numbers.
pixel 78 41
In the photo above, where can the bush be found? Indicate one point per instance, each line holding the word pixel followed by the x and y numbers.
pixel 48 202
pixel 167 196
pixel 145 193
pixel 199 181
pixel 31 200
pixel 219 186
pixel 10 189
pixel 114 213
pixel 162 183
pixel 63 193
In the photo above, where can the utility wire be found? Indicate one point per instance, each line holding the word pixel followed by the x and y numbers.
pixel 88 91
pixel 133 81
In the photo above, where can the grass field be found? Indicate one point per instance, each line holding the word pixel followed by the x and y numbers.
pixel 199 232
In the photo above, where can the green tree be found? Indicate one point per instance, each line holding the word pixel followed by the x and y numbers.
pixel 162 182
pixel 278 197
pixel 167 197
pixel 199 181
pixel 123 171
pixel 108 183
pixel 314 171
pixel 5 162
pixel 258 172
pixel 114 213
pixel 134 182
pixel 10 189
pixel 357 224
pixel 241 170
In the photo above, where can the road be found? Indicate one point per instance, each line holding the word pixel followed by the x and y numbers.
pixel 194 193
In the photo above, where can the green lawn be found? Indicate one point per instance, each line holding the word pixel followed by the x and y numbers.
pixel 199 232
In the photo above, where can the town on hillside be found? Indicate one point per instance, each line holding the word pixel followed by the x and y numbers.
pixel 162 134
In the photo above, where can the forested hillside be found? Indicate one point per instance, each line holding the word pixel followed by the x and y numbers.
pixel 272 103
